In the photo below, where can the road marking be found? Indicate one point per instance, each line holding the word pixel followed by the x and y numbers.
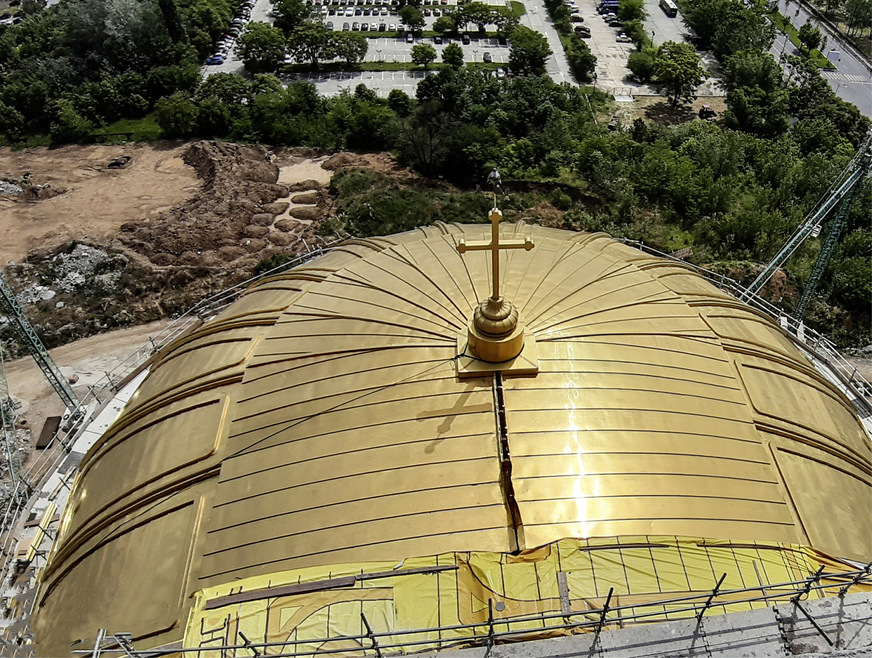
pixel 846 77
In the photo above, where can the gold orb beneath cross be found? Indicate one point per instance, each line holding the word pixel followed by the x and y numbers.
pixel 494 332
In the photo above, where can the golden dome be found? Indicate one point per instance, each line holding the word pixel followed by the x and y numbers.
pixel 319 420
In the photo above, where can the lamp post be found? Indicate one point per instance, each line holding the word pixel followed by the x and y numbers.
pixel 474 55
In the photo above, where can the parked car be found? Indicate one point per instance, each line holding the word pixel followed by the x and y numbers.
pixel 501 39
pixel 500 74
pixel 329 25
pixel 392 27
pixel 582 31
pixel 367 11
pixel 410 38
pixel 382 27
pixel 623 38
pixel 437 39
pixel 383 11
pixel 486 58
pixel 465 39
pixel 364 27
pixel 575 18
pixel 355 27
pixel 349 12
pixel 346 27
pixel 215 59
pixel 427 11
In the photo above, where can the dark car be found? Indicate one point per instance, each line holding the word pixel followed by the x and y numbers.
pixel 486 58
pixel 346 27
pixel 215 59
pixel 329 25
pixel 410 38
pixel 501 39
pixel 355 27
pixel 437 39
pixel 364 27
pixel 465 39
pixel 582 31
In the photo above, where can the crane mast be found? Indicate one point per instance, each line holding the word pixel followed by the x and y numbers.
pixel 842 187
pixel 9 304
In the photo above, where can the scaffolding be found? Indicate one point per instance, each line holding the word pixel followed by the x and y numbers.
pixel 494 630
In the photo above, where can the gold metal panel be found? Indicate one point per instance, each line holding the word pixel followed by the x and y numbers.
pixel 658 406
pixel 791 398
pixel 138 576
pixel 137 464
pixel 830 501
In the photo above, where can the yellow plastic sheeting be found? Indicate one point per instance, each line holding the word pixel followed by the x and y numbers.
pixel 445 600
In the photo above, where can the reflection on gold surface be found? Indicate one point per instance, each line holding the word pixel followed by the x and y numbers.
pixel 320 421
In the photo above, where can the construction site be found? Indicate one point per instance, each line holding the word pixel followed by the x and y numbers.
pixel 280 442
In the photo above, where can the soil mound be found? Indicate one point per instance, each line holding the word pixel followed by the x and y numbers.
pixel 239 186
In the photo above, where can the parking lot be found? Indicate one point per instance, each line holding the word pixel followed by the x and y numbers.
pixel 398 50
pixel 611 68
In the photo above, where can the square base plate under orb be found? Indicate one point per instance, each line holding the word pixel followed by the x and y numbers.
pixel 526 363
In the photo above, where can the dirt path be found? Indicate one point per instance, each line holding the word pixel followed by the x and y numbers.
pixel 97 200
pixel 89 359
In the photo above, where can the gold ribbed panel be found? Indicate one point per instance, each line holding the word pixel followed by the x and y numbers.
pixel 319 421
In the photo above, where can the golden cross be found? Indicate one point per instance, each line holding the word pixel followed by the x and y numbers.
pixel 494 246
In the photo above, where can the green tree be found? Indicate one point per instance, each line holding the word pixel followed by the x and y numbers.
pixel 176 116
pixel 728 26
pixel 228 88
pixel 311 42
pixel 677 68
pixel 757 99
pixel 399 102
pixel 477 13
pixel 529 50
pixel 859 14
pixel 289 14
pixel 423 54
pixel 261 48
pixel 445 24
pixel 452 55
pixel 412 18
pixel 810 37
pixel 213 118
pixel 68 125
pixel 641 64
pixel 350 47
pixel 632 10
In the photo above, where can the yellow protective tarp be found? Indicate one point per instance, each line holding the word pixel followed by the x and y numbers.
pixel 445 600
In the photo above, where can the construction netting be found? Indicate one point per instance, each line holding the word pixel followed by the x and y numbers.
pixel 458 598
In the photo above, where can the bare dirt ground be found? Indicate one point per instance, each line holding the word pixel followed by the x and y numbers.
pixel 660 110
pixel 94 201
pixel 89 359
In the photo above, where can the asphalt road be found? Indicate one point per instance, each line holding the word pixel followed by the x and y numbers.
pixel 852 80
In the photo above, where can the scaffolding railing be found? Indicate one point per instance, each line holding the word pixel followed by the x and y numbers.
pixel 495 630
pixel 813 343
pixel 35 474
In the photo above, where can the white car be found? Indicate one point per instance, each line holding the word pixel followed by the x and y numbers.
pixel 623 38
pixel 349 12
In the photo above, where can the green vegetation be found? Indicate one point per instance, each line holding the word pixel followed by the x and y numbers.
pixel 581 60
pixel 145 129
pixel 732 192
pixel 793 34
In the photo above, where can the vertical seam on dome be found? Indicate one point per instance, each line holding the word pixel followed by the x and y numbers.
pixel 507 487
